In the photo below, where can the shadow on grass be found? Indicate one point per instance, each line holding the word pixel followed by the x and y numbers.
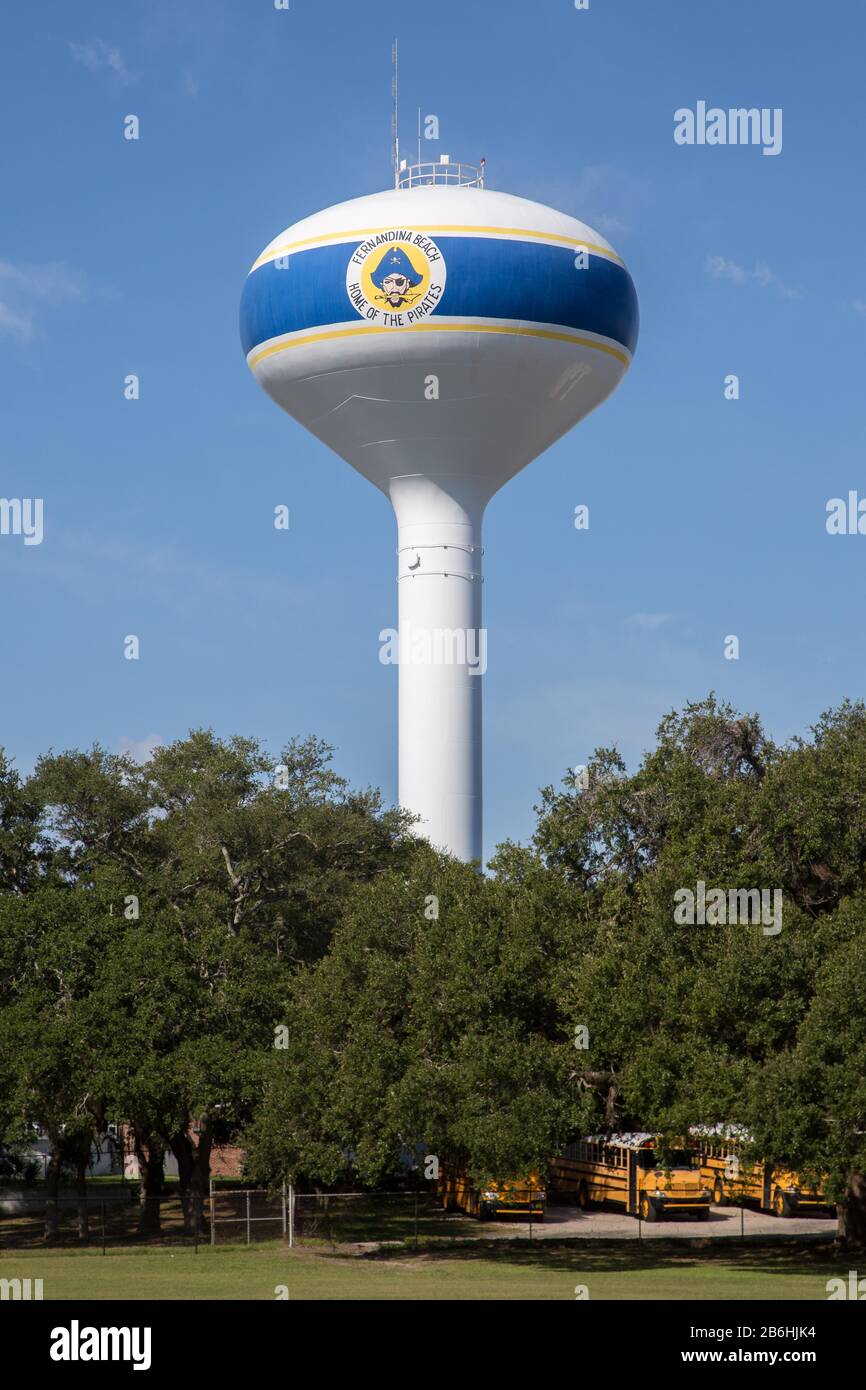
pixel 619 1257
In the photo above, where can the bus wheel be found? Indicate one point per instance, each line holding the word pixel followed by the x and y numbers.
pixel 718 1193
pixel 781 1205
pixel 647 1210
pixel 583 1197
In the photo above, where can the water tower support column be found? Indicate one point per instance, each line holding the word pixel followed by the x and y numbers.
pixel 443 655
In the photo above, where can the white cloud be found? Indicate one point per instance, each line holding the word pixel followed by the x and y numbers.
pixel 16 324
pixel 91 565
pixel 722 269
pixel 558 725
pixel 605 196
pixel 46 279
pixel 648 622
pixel 140 749
pixel 98 56
pixel 49 281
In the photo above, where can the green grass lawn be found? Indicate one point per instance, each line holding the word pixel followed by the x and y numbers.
pixel 465 1272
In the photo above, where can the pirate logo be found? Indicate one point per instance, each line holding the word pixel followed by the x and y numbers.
pixel 395 279
pixel 395 276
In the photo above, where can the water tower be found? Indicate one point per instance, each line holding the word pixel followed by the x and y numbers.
pixel 439 336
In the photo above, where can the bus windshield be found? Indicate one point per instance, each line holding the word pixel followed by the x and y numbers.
pixel 666 1158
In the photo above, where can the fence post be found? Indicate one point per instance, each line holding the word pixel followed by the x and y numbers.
pixel 284 1206
pixel 291 1215
pixel 248 1216
pixel 212 1215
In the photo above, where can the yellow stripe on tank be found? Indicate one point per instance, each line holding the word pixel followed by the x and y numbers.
pixel 438 228
pixel 259 354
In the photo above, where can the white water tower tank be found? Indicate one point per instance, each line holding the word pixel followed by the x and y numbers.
pixel 439 336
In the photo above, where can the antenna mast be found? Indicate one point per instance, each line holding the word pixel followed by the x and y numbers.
pixel 395 92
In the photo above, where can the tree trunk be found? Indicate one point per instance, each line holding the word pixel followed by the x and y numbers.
pixel 52 1183
pixel 150 1152
pixel 851 1212
pixel 192 1152
pixel 81 1188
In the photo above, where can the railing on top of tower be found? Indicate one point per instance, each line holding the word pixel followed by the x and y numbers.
pixel 441 171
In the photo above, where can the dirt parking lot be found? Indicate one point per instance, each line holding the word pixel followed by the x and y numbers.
pixel 568 1223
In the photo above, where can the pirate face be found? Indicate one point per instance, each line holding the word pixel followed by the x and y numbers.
pixel 395 288
pixel 396 278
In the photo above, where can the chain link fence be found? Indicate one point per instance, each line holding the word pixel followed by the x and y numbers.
pixel 374 1218
pixel 112 1220
pixel 232 1217
pixel 244 1217
pixel 331 1218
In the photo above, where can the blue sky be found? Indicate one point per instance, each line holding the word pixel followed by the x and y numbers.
pixel 707 515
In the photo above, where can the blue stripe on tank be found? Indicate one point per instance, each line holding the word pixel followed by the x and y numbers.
pixel 487 278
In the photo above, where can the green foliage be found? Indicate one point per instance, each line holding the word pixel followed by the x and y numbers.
pixel 709 1024
pixel 163 926
pixel 436 1034
pixel 20 841
pixel 151 921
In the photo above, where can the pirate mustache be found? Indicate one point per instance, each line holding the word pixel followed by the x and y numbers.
pixel 405 293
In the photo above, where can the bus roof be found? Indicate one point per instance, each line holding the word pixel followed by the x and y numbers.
pixel 640 1139
pixel 721 1131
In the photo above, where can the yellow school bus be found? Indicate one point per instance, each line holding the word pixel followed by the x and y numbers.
pixel 634 1172
pixel 732 1177
pixel 511 1197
